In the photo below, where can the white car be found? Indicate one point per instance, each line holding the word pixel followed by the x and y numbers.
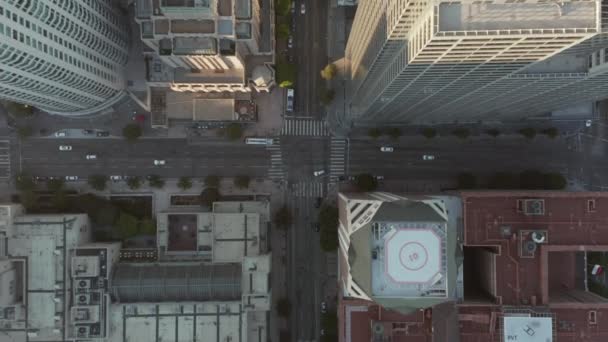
pixel 319 173
pixel 303 9
pixel 115 178
pixel 91 156
pixel 71 178
pixel 158 162
pixel 323 307
pixel 588 123
pixel 379 177
pixel 428 157
pixel 386 149
pixel 290 42
pixel 60 134
pixel 65 148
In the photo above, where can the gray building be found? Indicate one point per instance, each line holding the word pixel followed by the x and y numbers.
pixel 442 62
pixel 63 57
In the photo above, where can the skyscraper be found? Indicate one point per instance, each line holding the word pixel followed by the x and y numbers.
pixel 65 57
pixel 441 61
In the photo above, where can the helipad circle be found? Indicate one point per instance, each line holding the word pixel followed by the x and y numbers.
pixel 413 256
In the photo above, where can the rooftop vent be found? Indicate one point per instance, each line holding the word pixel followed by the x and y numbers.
pixel 534 207
pixel 539 236
pixel 82 331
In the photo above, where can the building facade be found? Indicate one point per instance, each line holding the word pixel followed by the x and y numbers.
pixel 65 58
pixel 445 62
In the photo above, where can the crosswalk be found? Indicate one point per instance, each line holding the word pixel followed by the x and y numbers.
pixel 276 171
pixel 5 159
pixel 304 127
pixel 337 153
pixel 307 189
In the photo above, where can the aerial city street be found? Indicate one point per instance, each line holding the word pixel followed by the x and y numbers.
pixel 303 170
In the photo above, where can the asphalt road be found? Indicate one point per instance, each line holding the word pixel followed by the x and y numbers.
pixel 303 156
pixel 310 50
pixel 41 157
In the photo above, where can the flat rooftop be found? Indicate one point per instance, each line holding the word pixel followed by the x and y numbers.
pixel 514 16
pixel 235 236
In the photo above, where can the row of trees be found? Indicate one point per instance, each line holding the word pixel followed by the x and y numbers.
pixel 99 182
pixel 464 133
pixel 526 180
pixel 392 132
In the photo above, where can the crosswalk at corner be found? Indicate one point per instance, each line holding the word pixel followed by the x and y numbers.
pixel 5 159
pixel 276 171
pixel 337 153
pixel 307 189
pixel 304 127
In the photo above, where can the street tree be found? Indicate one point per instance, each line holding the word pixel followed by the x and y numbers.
pixel 210 195
pixel 328 222
pixel 25 132
pixel 493 132
pixel 134 182
pixel 184 183
pixel 126 226
pixel 283 31
pixel 242 181
pixel 284 307
pixel 59 200
pixel 467 181
pixel 461 133
pixel 131 132
pixel 329 72
pixel 24 182
pixel 531 180
pixel 19 110
pixel 550 132
pixel 394 133
pixel 283 218
pixel 554 181
pixel 234 131
pixel 212 181
pixel 327 96
pixel 528 132
pixel 30 200
pixel 156 182
pixel 504 180
pixel 374 133
pixel 429 132
pixel 366 182
pixel 98 182
pixel 55 184
pixel 147 226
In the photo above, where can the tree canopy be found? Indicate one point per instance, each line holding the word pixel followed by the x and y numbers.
pixel 329 72
pixel 429 132
pixel 131 132
pixel 374 133
pixel 366 182
pixel 283 218
pixel 98 182
pixel 209 195
pixel 328 222
pixel 467 181
pixel 242 181
pixel 212 180
pixel 134 182
pixel 156 182
pixel 461 133
pixel 184 183
pixel 234 131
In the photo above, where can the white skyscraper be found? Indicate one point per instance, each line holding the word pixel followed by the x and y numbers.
pixel 421 61
pixel 65 57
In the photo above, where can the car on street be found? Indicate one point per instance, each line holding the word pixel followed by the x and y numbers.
pixel 352 178
pixel 318 173
pixel 323 307
pixel 386 149
pixel 290 42
pixel 103 134
pixel 379 177
pixel 159 162
pixel 290 98
pixel 588 123
pixel 71 178
pixel 303 8
pixel 88 131
pixel 322 332
pixel 91 156
pixel 293 7
pixel 60 134
pixel 428 157
pixel 316 226
pixel 40 178
pixel 65 148
pixel 318 202
pixel 116 178
pixel 341 178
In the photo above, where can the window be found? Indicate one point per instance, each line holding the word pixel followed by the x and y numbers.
pixel 591 205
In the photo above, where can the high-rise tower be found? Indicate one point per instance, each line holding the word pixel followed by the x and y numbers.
pixel 65 57
pixel 444 61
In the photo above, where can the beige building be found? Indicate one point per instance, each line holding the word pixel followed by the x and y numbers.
pixel 465 61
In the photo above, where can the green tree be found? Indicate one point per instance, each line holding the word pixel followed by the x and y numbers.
pixel 156 182
pixel 467 181
pixel 550 132
pixel 528 132
pixel 329 72
pixel 285 72
pixel 25 132
pixel 19 110
pixel 429 132
pixel 554 181
pixel 283 218
pixel 394 133
pixel 374 133
pixel 327 96
pixel 234 131
pixel 184 183
pixel 283 31
pixel 493 132
pixel 242 181
pixel 366 182
pixel 328 222
pixel 531 180
pixel 98 182
pixel 106 214
pixel 131 132
pixel 55 184
pixel 29 199
pixel 212 181
pixel 284 307
pixel 126 226
pixel 134 182
pixel 209 195
pixel 461 133
pixel 60 201
pixel 24 182
pixel 147 226
pixel 504 180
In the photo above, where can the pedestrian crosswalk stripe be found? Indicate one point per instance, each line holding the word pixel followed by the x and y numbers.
pixel 337 153
pixel 307 189
pixel 5 159
pixel 276 170
pixel 302 127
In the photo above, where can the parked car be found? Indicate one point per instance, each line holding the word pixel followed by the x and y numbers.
pixel 91 156
pixel 303 8
pixel 61 134
pixel 316 226
pixel 40 178
pixel 318 173
pixel 588 123
pixel 159 162
pixel 341 178
pixel 323 307
pixel 293 7
pixel 71 178
pixel 115 178
pixel 65 148
pixel 379 177
pixel 88 131
pixel 290 42
pixel 290 98
pixel 103 134
pixel 318 202
pixel 428 157
pixel 352 178
pixel 386 149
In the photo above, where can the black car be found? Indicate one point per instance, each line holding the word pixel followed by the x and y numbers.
pixel 316 226
pixel 341 178
pixel 88 131
pixel 103 134
pixel 318 202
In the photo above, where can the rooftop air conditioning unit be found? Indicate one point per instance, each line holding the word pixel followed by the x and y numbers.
pixel 534 207
pixel 539 236
pixel 83 299
pixel 83 284
pixel 82 331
